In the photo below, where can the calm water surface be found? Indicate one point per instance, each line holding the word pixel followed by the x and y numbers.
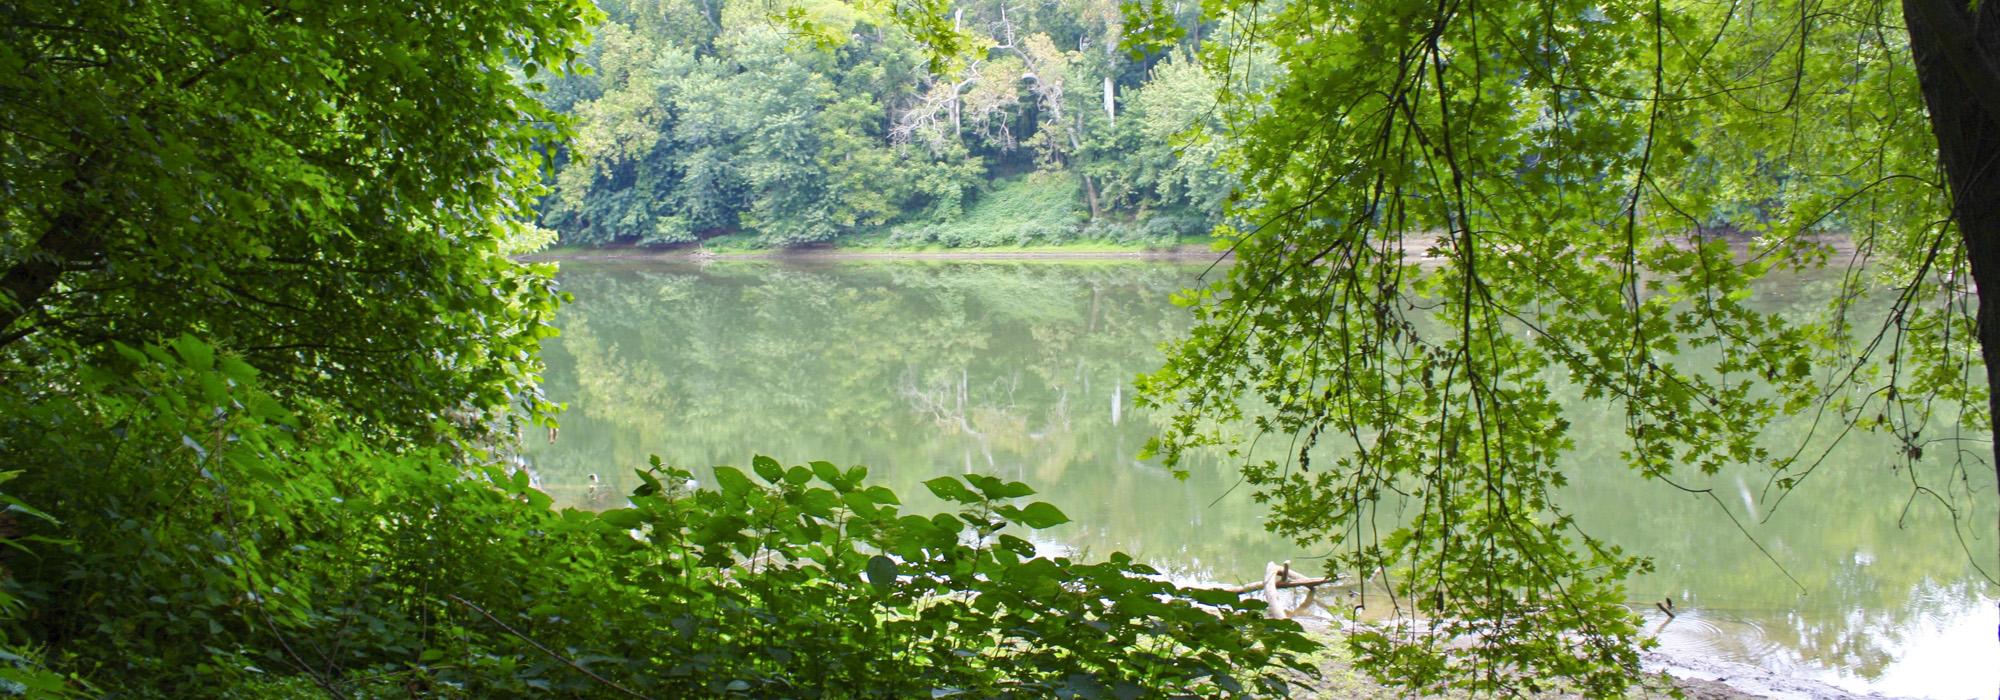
pixel 1024 370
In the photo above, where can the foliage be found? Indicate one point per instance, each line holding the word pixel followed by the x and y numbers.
pixel 298 557
pixel 1040 208
pixel 827 121
pixel 325 192
pixel 749 134
pixel 1461 206
pixel 262 346
pixel 882 604
pixel 1174 151
pixel 270 178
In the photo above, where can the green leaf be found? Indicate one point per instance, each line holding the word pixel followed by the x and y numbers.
pixel 649 485
pixel 950 489
pixel 731 481
pixel 238 371
pixel 798 476
pixel 881 572
pixel 623 518
pixel 860 503
pixel 767 468
pixel 1018 546
pixel 195 353
pixel 880 494
pixel 1212 596
pixel 998 490
pixel 1039 515
pixel 830 474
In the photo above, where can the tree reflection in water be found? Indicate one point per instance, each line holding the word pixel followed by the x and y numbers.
pixel 1021 368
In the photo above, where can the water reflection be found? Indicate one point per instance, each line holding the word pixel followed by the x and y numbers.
pixel 1023 370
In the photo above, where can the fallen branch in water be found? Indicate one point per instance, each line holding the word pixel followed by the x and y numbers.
pixel 1280 576
pixel 1294 583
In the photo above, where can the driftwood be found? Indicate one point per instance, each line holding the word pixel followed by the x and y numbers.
pixel 1294 583
pixel 1278 577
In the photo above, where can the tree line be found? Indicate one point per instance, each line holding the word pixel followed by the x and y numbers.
pixel 706 119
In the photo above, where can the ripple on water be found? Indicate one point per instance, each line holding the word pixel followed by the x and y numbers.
pixel 1718 635
pixel 1945 652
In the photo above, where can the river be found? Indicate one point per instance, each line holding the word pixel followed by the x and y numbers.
pixel 1024 369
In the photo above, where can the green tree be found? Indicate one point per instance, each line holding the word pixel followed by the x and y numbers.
pixel 313 204
pixel 802 123
pixel 747 130
pixel 260 344
pixel 1167 155
pixel 1459 206
pixel 330 190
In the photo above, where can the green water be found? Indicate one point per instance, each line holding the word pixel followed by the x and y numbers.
pixel 1024 370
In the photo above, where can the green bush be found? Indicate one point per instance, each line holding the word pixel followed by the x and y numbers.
pixel 227 544
pixel 1035 209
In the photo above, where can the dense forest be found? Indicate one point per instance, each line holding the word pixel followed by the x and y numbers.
pixel 703 120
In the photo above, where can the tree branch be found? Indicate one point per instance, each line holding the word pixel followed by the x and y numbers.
pixel 538 645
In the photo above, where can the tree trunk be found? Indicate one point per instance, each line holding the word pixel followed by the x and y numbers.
pixel 71 241
pixel 1110 104
pixel 1090 196
pixel 1955 47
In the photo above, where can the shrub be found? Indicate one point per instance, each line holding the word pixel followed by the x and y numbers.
pixel 225 543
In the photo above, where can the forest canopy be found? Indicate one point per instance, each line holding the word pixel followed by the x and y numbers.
pixel 707 119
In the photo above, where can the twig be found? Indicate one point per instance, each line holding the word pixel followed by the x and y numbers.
pixel 552 654
pixel 1294 583
pixel 323 684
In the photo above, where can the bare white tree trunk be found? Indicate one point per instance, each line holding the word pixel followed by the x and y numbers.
pixel 1110 106
pixel 957 128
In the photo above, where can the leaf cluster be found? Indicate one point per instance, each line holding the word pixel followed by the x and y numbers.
pixel 822 122
pixel 232 542
pixel 1464 210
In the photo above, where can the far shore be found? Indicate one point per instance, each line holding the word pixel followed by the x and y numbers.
pixel 1190 251
pixel 1838 246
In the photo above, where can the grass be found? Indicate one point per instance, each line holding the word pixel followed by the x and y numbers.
pixel 735 242
pixel 1035 209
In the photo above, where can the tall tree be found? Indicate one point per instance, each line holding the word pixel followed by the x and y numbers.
pixel 273 177
pixel 1956 46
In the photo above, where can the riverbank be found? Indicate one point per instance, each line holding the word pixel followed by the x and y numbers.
pixel 1202 248
pixel 1180 251
pixel 1669 676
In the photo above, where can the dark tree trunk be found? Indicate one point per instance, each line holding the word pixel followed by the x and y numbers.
pixel 71 241
pixel 1956 48
pixel 1090 196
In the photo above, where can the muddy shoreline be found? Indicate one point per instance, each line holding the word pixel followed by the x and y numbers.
pixel 1694 677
